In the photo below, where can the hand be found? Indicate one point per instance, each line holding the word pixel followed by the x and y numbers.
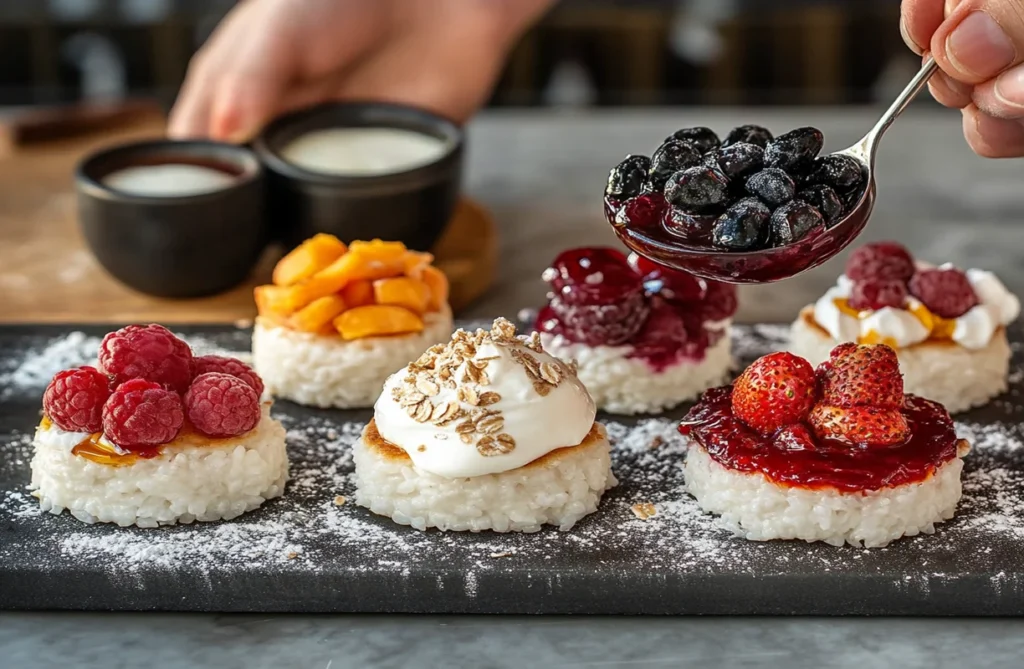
pixel 271 56
pixel 979 47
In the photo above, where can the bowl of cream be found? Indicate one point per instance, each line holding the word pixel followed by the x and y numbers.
pixel 361 170
pixel 174 218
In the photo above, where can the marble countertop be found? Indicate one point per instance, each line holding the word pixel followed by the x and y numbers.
pixel 542 176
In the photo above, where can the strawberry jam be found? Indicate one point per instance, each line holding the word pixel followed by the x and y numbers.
pixel 601 298
pixel 796 458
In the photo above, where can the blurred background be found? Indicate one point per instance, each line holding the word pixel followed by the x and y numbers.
pixel 585 52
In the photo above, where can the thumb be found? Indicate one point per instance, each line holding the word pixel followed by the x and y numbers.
pixel 979 39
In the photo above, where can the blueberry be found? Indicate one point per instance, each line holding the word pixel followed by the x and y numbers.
pixel 671 157
pixel 740 160
pixel 851 199
pixel 842 173
pixel 772 185
pixel 793 221
pixel 703 139
pixel 628 178
pixel 795 151
pixel 697 189
pixel 749 134
pixel 743 227
pixel 825 200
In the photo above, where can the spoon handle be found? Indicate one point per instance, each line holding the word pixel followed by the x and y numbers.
pixel 901 102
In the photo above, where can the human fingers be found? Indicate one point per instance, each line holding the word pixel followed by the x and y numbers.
pixel 980 39
pixel 993 137
pixel 919 19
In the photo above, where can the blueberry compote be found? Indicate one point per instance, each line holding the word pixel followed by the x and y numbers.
pixel 794 457
pixel 752 193
pixel 601 298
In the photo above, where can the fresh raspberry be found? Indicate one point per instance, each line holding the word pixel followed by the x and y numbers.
pixel 945 291
pixel 220 405
pixel 74 399
pixel 863 425
pixel 861 375
pixel 141 414
pixel 775 391
pixel 666 283
pixel 592 277
pixel 597 325
pixel 205 364
pixel 880 260
pixel 874 294
pixel 149 352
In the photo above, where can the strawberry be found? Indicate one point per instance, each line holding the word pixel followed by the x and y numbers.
pixel 777 390
pixel 864 425
pixel 858 375
pixel 795 438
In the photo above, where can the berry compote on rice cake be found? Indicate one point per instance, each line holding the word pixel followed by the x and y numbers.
pixel 948 327
pixel 156 436
pixel 488 432
pixel 839 454
pixel 645 338
pixel 339 320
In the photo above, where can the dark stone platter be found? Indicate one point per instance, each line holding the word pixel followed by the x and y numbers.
pixel 311 551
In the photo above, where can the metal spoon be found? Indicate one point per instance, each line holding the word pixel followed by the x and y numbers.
pixel 774 264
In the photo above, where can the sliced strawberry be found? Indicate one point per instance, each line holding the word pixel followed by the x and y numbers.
pixel 863 425
pixel 861 375
pixel 775 391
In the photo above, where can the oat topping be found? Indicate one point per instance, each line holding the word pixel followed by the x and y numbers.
pixel 644 510
pixel 476 423
pixel 339 500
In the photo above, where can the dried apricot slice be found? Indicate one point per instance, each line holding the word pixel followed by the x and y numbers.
pixel 377 249
pixel 377 321
pixel 437 282
pixel 358 293
pixel 307 259
pixel 318 313
pixel 402 292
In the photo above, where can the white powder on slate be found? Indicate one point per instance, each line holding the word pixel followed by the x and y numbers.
pixel 309 529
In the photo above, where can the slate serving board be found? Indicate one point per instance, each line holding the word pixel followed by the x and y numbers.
pixel 309 552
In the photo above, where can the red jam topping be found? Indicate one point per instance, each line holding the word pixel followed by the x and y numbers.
pixel 807 461
pixel 601 298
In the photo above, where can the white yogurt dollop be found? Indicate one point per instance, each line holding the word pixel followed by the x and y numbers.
pixel 522 423
pixel 363 151
pixel 171 180
pixel 997 308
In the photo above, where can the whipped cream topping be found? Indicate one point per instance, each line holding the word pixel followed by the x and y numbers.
pixel 485 403
pixel 913 323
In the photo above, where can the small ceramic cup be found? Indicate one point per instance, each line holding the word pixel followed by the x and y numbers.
pixel 189 243
pixel 412 205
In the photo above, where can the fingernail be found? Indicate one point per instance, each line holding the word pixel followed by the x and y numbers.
pixel 978 46
pixel 908 39
pixel 1009 88
pixel 950 6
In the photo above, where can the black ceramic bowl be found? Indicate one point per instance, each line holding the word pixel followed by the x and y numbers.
pixel 174 246
pixel 411 206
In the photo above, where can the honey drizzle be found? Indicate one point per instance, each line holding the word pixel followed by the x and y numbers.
pixel 939 329
pixel 91 448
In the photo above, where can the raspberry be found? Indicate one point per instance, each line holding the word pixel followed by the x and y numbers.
pixel 74 399
pixel 596 325
pixel 141 414
pixel 945 291
pixel 205 364
pixel 880 260
pixel 593 276
pixel 861 375
pixel 220 405
pixel 874 294
pixel 720 301
pixel 775 391
pixel 149 352
pixel 863 425
pixel 664 336
pixel 669 284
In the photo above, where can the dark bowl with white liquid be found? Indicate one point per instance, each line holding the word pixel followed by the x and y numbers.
pixel 189 222
pixel 410 203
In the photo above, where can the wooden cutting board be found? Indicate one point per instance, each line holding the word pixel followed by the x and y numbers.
pixel 48 275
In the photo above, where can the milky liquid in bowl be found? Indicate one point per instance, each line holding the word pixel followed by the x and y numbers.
pixel 367 151
pixel 168 180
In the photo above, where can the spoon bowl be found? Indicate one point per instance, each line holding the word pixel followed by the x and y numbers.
pixel 654 240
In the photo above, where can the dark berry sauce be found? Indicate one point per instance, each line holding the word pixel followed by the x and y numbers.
pixel 823 463
pixel 599 297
